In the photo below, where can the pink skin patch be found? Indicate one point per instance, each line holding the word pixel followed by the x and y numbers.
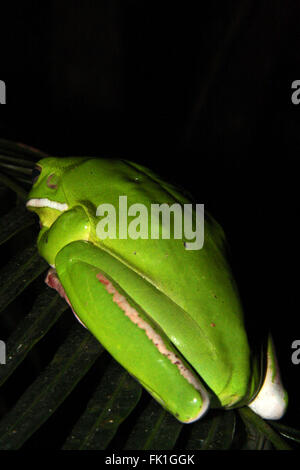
pixel 53 282
pixel 157 340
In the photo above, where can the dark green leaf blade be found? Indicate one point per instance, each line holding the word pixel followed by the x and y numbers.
pixel 215 431
pixel 15 167
pixel 46 310
pixel 18 149
pixel 114 399
pixel 15 221
pixel 19 273
pixel 253 438
pixel 14 186
pixel 70 363
pixel 16 160
pixel 286 431
pixel 155 429
pixel 18 177
pixel 249 417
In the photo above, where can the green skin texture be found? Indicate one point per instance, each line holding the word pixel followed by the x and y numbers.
pixel 189 297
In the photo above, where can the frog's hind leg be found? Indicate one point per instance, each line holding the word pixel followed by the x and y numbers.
pixel 97 286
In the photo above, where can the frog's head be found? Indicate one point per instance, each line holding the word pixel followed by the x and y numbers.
pixel 48 197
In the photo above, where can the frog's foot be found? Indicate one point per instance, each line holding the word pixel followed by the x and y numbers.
pixel 271 401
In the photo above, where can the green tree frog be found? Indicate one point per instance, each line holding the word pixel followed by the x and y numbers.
pixel 171 316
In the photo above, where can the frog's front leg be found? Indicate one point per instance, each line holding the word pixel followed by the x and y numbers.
pixel 71 225
pixel 87 275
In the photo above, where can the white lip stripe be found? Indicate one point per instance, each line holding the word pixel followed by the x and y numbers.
pixel 44 202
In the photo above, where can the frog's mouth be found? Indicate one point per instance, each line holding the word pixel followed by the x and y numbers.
pixel 44 202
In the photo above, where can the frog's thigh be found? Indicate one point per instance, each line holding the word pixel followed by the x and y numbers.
pixel 126 331
pixel 271 401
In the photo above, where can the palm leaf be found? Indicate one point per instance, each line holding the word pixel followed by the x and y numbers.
pixel 75 387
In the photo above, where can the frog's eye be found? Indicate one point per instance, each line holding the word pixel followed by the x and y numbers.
pixel 36 173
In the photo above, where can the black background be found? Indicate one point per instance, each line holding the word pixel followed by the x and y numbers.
pixel 199 92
